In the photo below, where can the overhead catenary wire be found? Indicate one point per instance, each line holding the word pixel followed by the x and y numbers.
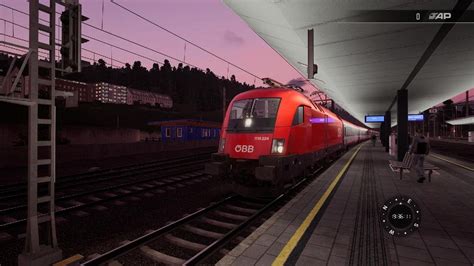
pixel 133 42
pixel 57 44
pixel 182 38
pixel 115 46
pixel 45 54
pixel 126 50
pixel 6 45
pixel 95 39
pixel 143 46
pixel 40 52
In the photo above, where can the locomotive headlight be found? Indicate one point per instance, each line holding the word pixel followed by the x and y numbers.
pixel 221 145
pixel 248 122
pixel 278 146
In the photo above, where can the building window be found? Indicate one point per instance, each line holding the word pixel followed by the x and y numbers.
pixel 168 132
pixel 179 132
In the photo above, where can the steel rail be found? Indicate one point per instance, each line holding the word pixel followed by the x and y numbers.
pixel 105 189
pixel 63 181
pixel 216 245
pixel 210 249
pixel 67 178
pixel 109 198
pixel 143 240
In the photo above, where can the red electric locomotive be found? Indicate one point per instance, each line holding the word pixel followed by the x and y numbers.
pixel 272 136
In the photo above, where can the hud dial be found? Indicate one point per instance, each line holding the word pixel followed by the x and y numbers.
pixel 400 216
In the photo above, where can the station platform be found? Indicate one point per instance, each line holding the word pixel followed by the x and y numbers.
pixel 456 141
pixel 336 219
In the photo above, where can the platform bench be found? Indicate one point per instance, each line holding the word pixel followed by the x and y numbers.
pixel 406 164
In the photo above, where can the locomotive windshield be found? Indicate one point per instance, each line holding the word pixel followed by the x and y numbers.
pixel 253 115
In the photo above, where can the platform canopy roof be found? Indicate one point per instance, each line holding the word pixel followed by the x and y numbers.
pixel 362 65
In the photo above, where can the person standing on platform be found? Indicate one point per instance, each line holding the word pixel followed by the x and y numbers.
pixel 419 149
pixel 374 139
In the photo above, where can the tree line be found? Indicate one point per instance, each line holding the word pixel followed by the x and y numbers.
pixel 199 90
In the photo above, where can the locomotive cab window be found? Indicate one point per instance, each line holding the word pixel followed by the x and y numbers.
pixel 253 115
pixel 299 116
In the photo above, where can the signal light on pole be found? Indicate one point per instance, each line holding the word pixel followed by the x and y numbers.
pixel 71 41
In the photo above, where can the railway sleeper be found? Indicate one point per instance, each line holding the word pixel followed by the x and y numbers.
pixel 161 257
pixel 202 232
pixel 75 203
pixel 241 209
pixel 148 185
pixel 256 205
pixel 231 215
pixel 93 198
pixel 184 243
pixel 218 223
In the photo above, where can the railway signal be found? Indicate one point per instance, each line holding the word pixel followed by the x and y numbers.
pixel 72 40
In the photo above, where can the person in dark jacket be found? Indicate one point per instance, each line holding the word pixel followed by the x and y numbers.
pixel 419 148
pixel 374 139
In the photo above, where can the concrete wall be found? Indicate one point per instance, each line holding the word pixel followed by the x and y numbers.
pixel 17 156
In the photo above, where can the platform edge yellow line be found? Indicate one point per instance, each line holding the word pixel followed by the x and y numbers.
pixel 290 246
pixel 452 162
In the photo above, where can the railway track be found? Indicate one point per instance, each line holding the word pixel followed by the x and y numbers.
pixel 195 237
pixel 13 191
pixel 456 150
pixel 68 185
pixel 168 179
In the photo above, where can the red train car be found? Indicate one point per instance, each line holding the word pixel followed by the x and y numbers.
pixel 273 136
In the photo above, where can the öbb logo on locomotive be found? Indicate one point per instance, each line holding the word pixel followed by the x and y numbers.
pixel 244 148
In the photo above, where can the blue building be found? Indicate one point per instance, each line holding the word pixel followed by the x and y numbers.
pixel 187 130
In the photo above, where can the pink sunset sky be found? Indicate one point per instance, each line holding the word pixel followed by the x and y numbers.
pixel 208 23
